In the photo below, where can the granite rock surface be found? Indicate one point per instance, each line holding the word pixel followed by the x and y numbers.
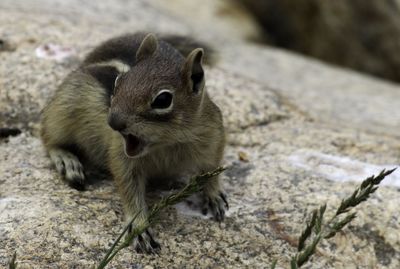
pixel 308 132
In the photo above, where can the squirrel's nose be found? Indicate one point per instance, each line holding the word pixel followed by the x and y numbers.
pixel 116 122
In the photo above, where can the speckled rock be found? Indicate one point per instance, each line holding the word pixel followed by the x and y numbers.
pixel 297 129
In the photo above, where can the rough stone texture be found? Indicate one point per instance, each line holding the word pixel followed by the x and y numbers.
pixel 333 95
pixel 295 119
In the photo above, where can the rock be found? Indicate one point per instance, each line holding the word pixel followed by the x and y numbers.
pixel 333 95
pixel 300 123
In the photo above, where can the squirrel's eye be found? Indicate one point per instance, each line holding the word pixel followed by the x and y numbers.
pixel 163 100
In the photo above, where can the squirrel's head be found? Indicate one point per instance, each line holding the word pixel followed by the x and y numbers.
pixel 157 102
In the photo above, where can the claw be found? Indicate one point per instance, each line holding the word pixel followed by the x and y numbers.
pixel 204 211
pixel 217 205
pixel 223 197
pixel 153 243
pixel 77 184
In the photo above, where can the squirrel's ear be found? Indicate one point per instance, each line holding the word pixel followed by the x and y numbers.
pixel 147 47
pixel 193 70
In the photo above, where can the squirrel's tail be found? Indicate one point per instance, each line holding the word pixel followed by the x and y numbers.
pixel 186 44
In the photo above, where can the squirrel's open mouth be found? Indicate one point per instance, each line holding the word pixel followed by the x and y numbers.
pixel 133 145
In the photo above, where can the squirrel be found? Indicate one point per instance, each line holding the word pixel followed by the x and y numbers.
pixel 138 108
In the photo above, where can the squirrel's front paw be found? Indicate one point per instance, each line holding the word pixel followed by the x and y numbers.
pixel 145 243
pixel 217 204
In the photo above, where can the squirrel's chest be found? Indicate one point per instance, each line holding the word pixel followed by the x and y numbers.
pixel 172 162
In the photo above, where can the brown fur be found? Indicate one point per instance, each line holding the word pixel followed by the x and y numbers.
pixel 185 140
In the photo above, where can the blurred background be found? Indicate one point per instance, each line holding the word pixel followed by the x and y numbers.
pixel 358 34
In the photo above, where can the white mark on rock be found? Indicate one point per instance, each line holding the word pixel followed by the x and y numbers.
pixel 5 201
pixel 54 52
pixel 340 168
pixel 17 208
pixel 191 207
pixel 188 210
